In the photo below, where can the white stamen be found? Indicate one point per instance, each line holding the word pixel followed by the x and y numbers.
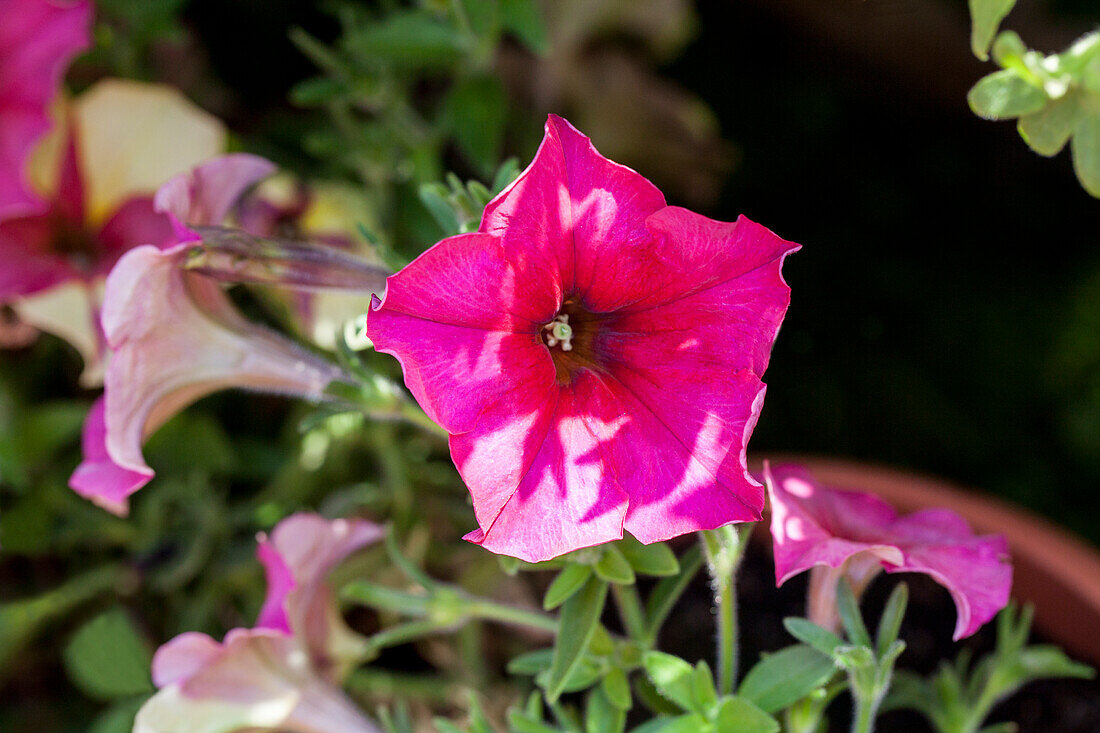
pixel 560 333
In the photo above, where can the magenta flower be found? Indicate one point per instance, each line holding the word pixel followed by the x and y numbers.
pixel 284 674
pixel 854 535
pixel 38 39
pixel 595 355
pixel 97 172
pixel 175 336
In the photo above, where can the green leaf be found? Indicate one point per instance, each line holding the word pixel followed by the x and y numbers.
pixel 781 679
pixel 850 615
pixel 477 111
pixel 586 673
pixel 1009 49
pixel 579 617
pixel 434 196
pixel 890 622
pixel 1047 131
pixel 568 582
pixel 506 173
pixel 672 677
pixel 702 687
pixel 738 715
pixel 617 688
pixel 107 659
pixel 985 18
pixel 1086 153
pixel 613 567
pixel 524 19
pixel 407 40
pixel 601 716
pixel 651 698
pixel 656 559
pixel 531 662
pixel 810 633
pixel 1005 94
pixel 521 722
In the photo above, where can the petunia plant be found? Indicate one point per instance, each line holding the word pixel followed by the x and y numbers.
pixel 517 458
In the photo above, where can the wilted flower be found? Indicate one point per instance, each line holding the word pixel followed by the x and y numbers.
pixel 38 39
pixel 274 676
pixel 175 336
pixel 97 172
pixel 594 353
pixel 854 535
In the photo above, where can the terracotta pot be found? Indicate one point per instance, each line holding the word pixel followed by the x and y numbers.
pixel 1054 570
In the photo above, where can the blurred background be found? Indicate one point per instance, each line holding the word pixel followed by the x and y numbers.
pixel 946 303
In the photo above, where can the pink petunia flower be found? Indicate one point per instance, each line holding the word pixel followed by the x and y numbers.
pixel 284 673
pixel 175 336
pixel 855 535
pixel 594 353
pixel 38 39
pixel 96 173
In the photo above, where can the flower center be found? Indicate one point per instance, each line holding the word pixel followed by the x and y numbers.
pixel 571 338
pixel 558 332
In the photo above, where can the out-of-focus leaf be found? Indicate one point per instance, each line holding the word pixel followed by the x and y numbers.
pixel 1005 94
pixel 672 677
pixel 568 582
pixel 617 689
pixel 407 40
pixel 26 527
pixel 985 18
pixel 656 559
pixel 601 716
pixel 107 659
pixel 478 110
pixel 119 717
pixel 524 19
pixel 1086 152
pixel 613 567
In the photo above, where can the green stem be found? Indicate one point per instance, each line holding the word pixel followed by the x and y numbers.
pixel 492 611
pixel 865 713
pixel 403 634
pixel 630 611
pixel 724 549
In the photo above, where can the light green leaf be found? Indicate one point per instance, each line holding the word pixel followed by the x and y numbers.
pixel 407 40
pixel 585 674
pixel 613 567
pixel 1086 153
pixel 1047 131
pixel 985 18
pixel 781 679
pixel 1005 94
pixel 579 617
pixel 890 622
pixel 568 582
pixel 601 716
pixel 617 688
pixel 107 658
pixel 738 715
pixel 672 677
pixel 810 633
pixel 656 559
pixel 434 196
pixel 531 662
pixel 521 722
pixel 848 607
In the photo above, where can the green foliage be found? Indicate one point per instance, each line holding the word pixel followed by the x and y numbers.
pixel 986 17
pixel 958 697
pixel 108 659
pixel 786 676
pixel 1054 98
pixel 580 615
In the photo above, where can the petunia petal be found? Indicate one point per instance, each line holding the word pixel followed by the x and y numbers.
pixel 98 478
pixel 566 499
pixel 206 193
pixel 38 39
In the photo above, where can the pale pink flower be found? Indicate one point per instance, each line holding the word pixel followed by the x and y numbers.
pixel 38 39
pixel 174 337
pixel 854 535
pixel 274 676
pixel 96 173
pixel 594 353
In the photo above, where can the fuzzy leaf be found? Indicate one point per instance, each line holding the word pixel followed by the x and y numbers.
pixel 1047 131
pixel 1005 94
pixel 781 679
pixel 568 582
pixel 810 633
pixel 1086 153
pixel 656 559
pixel 613 567
pixel 738 715
pixel 672 677
pixel 985 18
pixel 579 617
